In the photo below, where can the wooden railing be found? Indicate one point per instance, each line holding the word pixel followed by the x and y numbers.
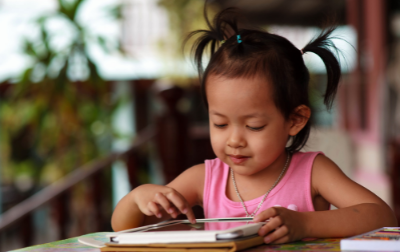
pixel 178 147
pixel 55 190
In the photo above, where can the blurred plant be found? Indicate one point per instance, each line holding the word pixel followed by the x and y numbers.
pixel 184 16
pixel 57 116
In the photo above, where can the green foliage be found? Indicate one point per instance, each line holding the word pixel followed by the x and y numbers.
pixel 184 17
pixel 58 115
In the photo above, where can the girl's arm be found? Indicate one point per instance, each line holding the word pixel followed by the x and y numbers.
pixel 359 210
pixel 150 203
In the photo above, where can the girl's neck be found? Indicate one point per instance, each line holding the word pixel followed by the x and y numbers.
pixel 256 185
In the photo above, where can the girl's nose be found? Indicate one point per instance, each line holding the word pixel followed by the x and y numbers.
pixel 236 140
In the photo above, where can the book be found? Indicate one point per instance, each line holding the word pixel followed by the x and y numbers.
pixel 220 246
pixel 382 239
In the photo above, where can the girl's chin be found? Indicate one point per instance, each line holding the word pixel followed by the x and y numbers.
pixel 246 170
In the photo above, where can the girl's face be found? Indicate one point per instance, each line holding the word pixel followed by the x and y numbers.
pixel 247 130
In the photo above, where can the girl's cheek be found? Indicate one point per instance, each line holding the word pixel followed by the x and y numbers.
pixel 217 142
pixel 213 139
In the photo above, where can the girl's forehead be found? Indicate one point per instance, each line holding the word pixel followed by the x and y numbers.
pixel 240 94
pixel 256 87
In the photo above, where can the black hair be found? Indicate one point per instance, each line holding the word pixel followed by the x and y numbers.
pixel 262 54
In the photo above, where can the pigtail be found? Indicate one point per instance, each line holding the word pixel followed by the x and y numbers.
pixel 214 37
pixel 200 45
pixel 322 46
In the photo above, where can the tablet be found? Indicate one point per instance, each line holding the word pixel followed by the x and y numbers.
pixel 171 222
pixel 182 231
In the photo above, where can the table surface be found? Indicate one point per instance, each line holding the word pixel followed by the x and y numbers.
pixel 72 245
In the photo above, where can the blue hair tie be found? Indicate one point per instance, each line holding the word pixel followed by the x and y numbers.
pixel 239 39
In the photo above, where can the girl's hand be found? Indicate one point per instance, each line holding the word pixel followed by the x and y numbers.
pixel 156 199
pixel 284 225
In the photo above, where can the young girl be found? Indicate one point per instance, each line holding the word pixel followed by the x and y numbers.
pixel 256 91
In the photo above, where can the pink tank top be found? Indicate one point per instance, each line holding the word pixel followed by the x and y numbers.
pixel 293 191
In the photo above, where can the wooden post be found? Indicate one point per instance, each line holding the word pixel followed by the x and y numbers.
pixel 366 96
pixel 60 212
pixel 172 138
pixel 97 197
pixel 131 165
pixel 394 166
pixel 140 93
pixel 27 233
pixel 356 89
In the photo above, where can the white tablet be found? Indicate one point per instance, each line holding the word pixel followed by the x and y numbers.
pixel 182 231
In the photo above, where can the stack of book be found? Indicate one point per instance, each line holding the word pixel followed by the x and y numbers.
pixel 383 239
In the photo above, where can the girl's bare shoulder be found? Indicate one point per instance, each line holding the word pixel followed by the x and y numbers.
pixel 329 181
pixel 324 170
pixel 190 184
pixel 195 173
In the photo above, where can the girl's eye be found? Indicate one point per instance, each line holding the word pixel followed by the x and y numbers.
pixel 219 125
pixel 256 128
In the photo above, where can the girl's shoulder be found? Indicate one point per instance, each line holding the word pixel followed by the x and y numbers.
pixel 194 171
pixel 323 164
pixel 190 184
pixel 306 159
pixel 324 172
pixel 330 182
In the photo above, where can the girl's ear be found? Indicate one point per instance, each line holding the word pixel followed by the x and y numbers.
pixel 298 119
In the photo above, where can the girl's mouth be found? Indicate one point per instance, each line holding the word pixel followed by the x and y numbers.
pixel 238 159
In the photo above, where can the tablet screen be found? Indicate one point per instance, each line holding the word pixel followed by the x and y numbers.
pixel 211 226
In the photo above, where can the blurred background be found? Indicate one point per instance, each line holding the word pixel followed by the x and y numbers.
pixel 97 97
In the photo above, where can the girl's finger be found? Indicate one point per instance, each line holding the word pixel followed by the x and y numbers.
pixel 182 205
pixel 275 222
pixel 154 209
pixel 190 215
pixel 266 214
pixel 272 224
pixel 284 239
pixel 280 235
pixel 166 204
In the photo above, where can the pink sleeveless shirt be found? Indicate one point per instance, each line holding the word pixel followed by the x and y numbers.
pixel 293 191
